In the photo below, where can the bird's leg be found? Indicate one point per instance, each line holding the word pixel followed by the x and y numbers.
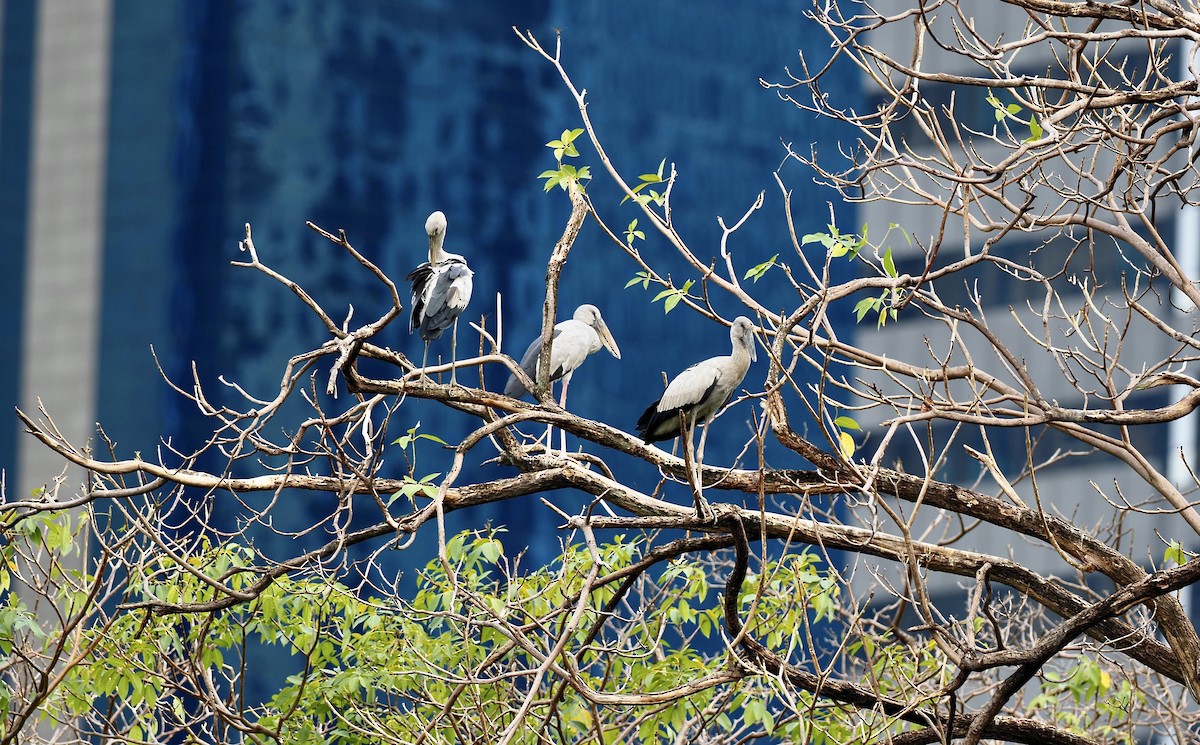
pixel 424 360
pixel 562 401
pixel 454 352
pixel 703 510
pixel 549 431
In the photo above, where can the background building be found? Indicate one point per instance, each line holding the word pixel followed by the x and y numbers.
pixel 1088 491
pixel 136 140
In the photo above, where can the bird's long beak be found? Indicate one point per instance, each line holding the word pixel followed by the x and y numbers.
pixel 753 347
pixel 606 338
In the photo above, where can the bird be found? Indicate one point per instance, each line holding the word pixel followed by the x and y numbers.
pixel 571 343
pixel 441 289
pixel 696 395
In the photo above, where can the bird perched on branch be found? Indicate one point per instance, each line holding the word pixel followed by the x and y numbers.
pixel 696 395
pixel 441 289
pixel 570 345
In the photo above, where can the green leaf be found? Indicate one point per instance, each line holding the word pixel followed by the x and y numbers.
pixel 999 110
pixel 632 232
pixel 768 721
pixel 889 264
pixel 553 179
pixel 412 487
pixel 564 145
pixel 863 307
pixel 824 239
pixel 839 244
pixel 846 422
pixel 643 277
pixel 1175 554
pixel 671 296
pixel 1035 129
pixel 753 711
pixel 491 550
pixel 758 271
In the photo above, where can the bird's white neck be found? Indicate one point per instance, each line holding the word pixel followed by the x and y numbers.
pixel 741 358
pixel 436 253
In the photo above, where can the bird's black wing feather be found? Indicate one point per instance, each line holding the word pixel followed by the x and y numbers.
pixel 419 278
pixel 654 425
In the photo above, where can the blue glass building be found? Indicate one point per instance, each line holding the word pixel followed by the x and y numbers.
pixel 367 116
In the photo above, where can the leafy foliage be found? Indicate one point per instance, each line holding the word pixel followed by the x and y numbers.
pixel 756 272
pixel 849 246
pixel 565 173
pixel 648 196
pixel 1011 112
pixel 671 296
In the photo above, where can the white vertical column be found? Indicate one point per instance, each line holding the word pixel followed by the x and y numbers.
pixel 66 222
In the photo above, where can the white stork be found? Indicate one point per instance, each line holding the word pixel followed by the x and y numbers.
pixel 697 394
pixel 441 289
pixel 571 343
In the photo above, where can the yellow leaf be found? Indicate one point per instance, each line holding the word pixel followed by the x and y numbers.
pixel 846 443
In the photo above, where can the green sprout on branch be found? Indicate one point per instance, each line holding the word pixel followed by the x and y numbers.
pixel 632 232
pixel 839 244
pixel 641 277
pixel 885 304
pixel 671 296
pixel 1012 111
pixel 413 485
pixel 646 179
pixel 757 272
pixel 850 246
pixel 564 147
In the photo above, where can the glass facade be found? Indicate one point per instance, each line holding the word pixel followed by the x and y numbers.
pixel 17 23
pixel 367 116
